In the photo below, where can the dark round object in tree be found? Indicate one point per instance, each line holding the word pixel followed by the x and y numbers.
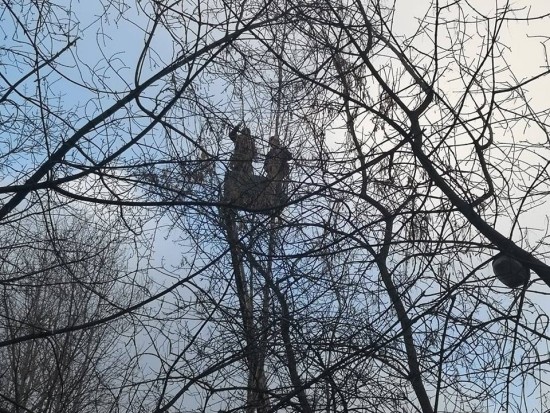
pixel 510 272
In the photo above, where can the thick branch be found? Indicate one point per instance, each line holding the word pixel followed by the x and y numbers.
pixel 503 243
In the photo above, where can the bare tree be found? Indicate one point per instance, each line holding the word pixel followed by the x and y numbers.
pixel 60 277
pixel 417 151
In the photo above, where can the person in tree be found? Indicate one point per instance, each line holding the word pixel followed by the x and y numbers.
pixel 276 165
pixel 245 150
